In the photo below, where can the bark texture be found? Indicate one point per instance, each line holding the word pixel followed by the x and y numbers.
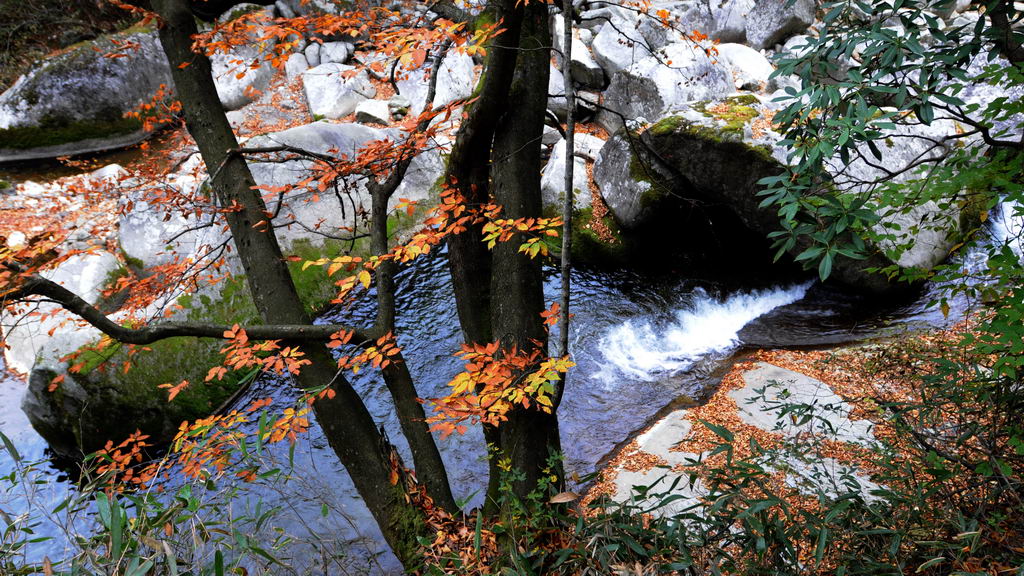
pixel 529 436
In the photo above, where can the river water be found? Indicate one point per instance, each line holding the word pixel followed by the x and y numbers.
pixel 640 341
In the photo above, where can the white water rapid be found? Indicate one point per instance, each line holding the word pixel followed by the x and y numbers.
pixel 645 349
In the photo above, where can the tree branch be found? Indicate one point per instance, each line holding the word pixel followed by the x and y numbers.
pixel 36 285
pixel 449 11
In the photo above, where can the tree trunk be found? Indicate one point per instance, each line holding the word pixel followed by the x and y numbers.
pixel 529 436
pixel 345 420
pixel 469 172
pixel 426 457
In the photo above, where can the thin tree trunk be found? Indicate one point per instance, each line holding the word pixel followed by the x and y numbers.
pixel 430 467
pixel 567 183
pixel 345 420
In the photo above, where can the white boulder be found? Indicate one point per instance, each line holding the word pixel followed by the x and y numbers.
pixel 334 52
pixel 52 333
pixel 619 45
pixel 455 81
pixel 373 112
pixel 750 69
pixel 334 90
pixel 295 65
pixel 678 74
pixel 552 181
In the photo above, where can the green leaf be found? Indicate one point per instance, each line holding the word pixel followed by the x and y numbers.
pixel 819 549
pixel 719 431
pixel 825 267
pixel 10 447
pixel 926 565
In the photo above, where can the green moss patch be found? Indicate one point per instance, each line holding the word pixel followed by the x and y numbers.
pixel 56 132
pixel 667 125
pixel 735 111
pixel 315 288
pixel 589 248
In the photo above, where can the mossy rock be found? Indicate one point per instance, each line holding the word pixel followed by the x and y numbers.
pixel 710 147
pixel 77 101
pixel 102 401
pixel 83 413
pixel 54 131
pixel 590 248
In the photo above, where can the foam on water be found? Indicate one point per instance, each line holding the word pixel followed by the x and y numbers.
pixel 645 349
pixel 1008 226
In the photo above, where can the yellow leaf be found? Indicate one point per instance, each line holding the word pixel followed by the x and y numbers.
pixel 364 278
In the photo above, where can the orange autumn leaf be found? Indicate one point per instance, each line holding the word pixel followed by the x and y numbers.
pixel 174 389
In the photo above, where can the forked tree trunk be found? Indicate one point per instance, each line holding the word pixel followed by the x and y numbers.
pixel 530 436
pixel 469 172
pixel 498 152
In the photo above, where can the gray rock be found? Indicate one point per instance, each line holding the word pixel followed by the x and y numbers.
pixel 681 73
pixel 686 15
pixel 82 88
pixel 723 148
pixel 556 93
pixel 618 45
pixel 284 9
pixel 87 410
pixel 455 81
pixel 313 54
pixel 630 183
pixel 550 138
pixel 157 236
pixel 54 333
pixel 333 93
pixel 295 65
pixel 399 105
pixel 422 179
pixel 604 13
pixel 586 103
pixel 334 52
pixel 552 181
pixel 586 36
pixel 929 229
pixel 241 9
pixel 585 70
pixel 729 20
pixel 306 212
pixel 373 112
pixel 235 92
pixel 586 100
pixel 780 385
pixel 811 476
pixel 771 21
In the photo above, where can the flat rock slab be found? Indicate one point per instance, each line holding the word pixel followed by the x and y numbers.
pixel 653 460
pixel 768 386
